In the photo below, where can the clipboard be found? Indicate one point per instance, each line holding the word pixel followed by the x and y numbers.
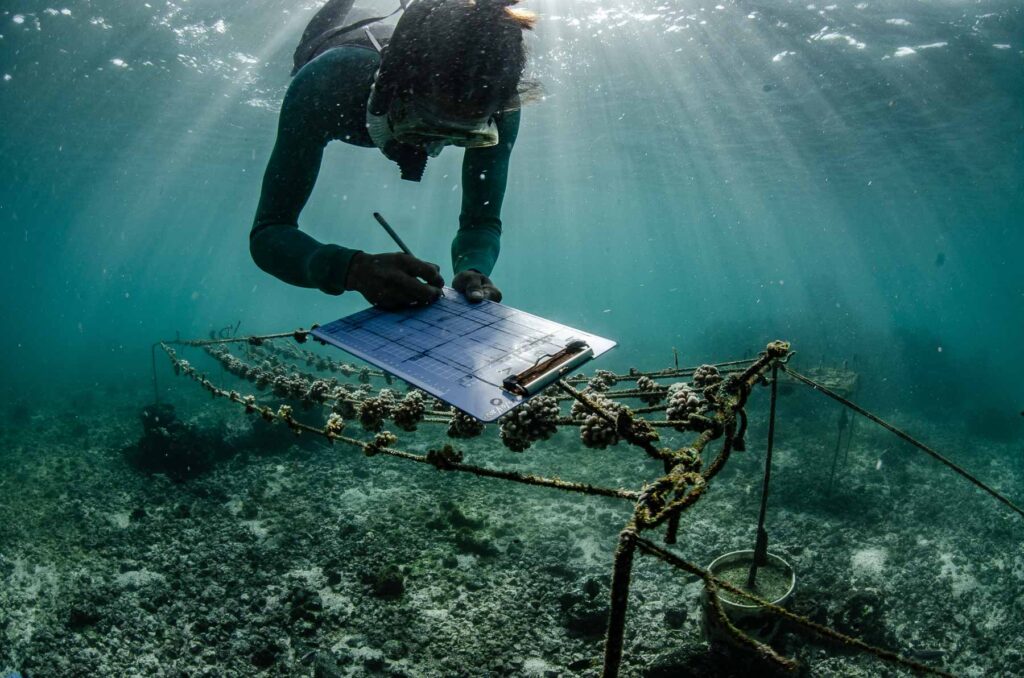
pixel 483 358
pixel 548 369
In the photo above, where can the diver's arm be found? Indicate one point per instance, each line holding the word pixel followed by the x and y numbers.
pixel 276 243
pixel 484 175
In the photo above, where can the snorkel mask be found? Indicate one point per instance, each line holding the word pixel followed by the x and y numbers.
pixel 410 131
pixel 419 124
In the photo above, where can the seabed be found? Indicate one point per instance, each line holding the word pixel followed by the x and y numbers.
pixel 310 522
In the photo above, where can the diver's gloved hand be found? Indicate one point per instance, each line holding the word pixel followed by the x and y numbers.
pixel 476 286
pixel 394 281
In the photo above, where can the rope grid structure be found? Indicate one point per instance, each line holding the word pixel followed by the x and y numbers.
pixel 711 406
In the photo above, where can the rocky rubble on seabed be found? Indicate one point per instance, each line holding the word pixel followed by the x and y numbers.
pixel 312 560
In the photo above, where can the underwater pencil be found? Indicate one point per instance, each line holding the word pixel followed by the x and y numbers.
pixel 391 232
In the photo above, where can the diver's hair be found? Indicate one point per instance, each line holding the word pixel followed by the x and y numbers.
pixel 466 57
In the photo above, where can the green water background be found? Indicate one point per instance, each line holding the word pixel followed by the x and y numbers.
pixel 707 177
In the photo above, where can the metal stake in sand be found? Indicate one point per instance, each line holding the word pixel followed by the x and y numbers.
pixel 761 545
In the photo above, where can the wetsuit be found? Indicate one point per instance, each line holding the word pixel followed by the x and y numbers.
pixel 326 101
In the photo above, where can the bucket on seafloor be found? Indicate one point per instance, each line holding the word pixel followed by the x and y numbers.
pixel 775 583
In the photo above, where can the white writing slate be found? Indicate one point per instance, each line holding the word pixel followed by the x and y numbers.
pixel 454 350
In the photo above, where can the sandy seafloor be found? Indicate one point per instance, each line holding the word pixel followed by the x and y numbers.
pixel 283 561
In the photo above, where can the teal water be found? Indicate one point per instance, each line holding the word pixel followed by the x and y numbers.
pixel 847 176
pixel 697 176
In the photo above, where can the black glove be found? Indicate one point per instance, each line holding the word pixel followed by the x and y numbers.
pixel 394 281
pixel 476 286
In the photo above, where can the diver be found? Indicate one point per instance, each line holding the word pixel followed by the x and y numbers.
pixel 450 73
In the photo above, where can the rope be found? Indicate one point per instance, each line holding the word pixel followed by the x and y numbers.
pixel 906 437
pixel 372 448
pixel 653 549
pixel 663 374
pixel 255 340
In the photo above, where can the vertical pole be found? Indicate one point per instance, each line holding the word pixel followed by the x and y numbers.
pixel 843 423
pixel 152 361
pixel 849 439
pixel 672 530
pixel 621 572
pixel 761 545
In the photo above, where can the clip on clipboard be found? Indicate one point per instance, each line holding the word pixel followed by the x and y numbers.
pixel 539 376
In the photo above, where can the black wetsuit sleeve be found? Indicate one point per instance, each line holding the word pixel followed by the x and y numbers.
pixel 276 243
pixel 484 176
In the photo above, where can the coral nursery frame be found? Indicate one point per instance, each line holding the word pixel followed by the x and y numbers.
pixel 710 407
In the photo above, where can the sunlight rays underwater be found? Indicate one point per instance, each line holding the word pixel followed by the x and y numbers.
pixel 671 139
